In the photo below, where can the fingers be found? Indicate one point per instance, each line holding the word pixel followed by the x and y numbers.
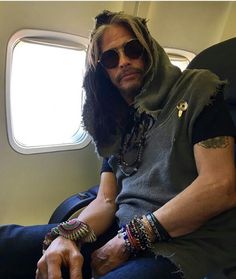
pixel 42 269
pixel 102 269
pixel 75 266
pixel 54 263
pixel 110 256
pixel 49 267
pixel 61 252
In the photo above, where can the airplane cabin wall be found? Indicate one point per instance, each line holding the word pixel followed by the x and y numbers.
pixel 190 25
pixel 229 29
pixel 31 186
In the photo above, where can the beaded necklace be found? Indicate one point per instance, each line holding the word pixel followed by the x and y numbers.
pixel 133 142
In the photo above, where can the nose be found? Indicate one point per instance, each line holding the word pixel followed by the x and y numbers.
pixel 123 59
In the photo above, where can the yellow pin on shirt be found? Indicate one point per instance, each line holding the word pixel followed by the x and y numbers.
pixel 182 106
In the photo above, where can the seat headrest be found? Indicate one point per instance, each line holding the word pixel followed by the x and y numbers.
pixel 221 60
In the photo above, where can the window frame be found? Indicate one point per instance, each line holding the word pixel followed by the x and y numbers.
pixel 82 139
pixel 179 52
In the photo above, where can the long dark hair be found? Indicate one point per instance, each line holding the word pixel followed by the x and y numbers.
pixel 105 111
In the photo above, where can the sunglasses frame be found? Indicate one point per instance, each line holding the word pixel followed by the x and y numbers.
pixel 118 54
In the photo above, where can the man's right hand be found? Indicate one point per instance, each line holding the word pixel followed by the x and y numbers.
pixel 61 252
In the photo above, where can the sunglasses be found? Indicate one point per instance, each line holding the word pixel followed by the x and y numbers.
pixel 110 58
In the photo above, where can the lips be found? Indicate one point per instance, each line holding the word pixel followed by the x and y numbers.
pixel 128 74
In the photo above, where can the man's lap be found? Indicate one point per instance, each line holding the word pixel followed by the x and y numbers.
pixel 21 248
pixel 145 267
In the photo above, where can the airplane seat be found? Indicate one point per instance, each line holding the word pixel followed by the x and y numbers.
pixel 72 206
pixel 220 59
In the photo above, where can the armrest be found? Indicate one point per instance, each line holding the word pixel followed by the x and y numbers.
pixel 73 204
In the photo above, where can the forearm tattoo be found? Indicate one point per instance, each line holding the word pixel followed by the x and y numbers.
pixel 217 142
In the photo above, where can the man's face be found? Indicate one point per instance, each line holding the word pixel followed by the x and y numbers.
pixel 127 76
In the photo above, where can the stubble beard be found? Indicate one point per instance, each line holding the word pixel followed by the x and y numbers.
pixel 129 93
pixel 130 90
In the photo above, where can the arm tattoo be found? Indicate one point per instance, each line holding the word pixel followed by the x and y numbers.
pixel 217 142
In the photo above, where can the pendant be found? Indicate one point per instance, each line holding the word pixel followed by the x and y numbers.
pixel 182 106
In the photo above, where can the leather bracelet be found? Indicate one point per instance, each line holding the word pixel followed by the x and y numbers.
pixel 160 232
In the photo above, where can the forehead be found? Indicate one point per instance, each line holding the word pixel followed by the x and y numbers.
pixel 115 36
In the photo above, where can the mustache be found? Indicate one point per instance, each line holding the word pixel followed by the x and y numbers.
pixel 128 71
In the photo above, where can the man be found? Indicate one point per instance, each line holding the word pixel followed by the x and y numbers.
pixel 166 201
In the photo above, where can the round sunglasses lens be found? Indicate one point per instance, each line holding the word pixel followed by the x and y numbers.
pixel 133 49
pixel 110 59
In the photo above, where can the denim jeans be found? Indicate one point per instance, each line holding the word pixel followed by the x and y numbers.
pixel 21 248
pixel 145 267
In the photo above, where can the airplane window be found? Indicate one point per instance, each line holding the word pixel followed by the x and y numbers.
pixel 179 57
pixel 45 96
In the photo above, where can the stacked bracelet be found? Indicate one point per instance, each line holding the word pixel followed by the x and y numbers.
pixel 160 232
pixel 139 233
pixel 73 229
pixel 135 236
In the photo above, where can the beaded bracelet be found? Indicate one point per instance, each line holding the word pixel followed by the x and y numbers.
pixel 160 232
pixel 73 229
pixel 139 233
pixel 129 246
pixel 135 236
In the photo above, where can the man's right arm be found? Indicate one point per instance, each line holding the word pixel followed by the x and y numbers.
pixel 99 215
